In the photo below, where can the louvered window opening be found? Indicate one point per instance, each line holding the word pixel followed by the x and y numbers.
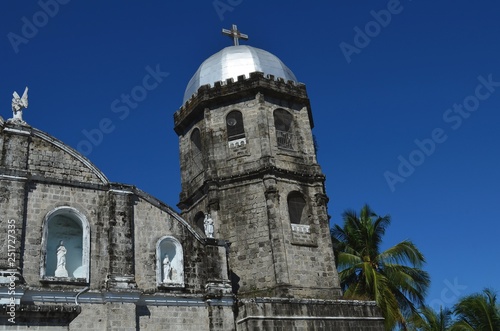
pixel 283 121
pixel 296 208
pixel 234 124
pixel 196 155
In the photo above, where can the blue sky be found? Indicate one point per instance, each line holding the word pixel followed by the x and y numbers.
pixel 406 111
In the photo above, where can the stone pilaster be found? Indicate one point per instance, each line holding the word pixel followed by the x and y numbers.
pixel 14 186
pixel 120 238
pixel 275 235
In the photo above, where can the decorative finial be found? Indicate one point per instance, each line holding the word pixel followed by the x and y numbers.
pixel 18 104
pixel 235 34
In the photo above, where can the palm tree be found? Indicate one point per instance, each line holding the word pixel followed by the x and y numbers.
pixel 429 320
pixel 477 312
pixel 392 278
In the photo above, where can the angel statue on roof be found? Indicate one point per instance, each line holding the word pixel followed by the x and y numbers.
pixel 18 104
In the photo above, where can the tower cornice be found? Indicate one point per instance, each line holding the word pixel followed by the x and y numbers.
pixel 309 175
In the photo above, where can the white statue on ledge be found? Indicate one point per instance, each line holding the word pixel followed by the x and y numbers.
pixel 18 105
pixel 61 261
pixel 208 223
pixel 167 268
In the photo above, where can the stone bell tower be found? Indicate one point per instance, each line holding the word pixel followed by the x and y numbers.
pixel 248 159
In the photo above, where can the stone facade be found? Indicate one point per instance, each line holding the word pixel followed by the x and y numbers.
pixel 39 177
pixel 247 158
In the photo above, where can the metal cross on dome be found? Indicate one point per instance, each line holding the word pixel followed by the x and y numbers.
pixel 235 34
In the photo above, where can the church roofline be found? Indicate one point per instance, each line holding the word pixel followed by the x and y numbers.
pixel 164 207
pixel 72 152
pixel 230 90
pixel 130 189
pixel 105 184
pixel 29 130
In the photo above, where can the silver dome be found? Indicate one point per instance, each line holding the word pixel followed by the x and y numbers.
pixel 235 61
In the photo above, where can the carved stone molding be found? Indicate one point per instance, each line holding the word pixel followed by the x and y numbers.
pixel 321 199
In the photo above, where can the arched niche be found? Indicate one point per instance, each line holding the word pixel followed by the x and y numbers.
pixel 173 275
pixel 69 226
pixel 199 219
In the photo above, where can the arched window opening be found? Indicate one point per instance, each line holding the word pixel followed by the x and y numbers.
pixel 196 151
pixel 283 123
pixel 297 208
pixel 65 246
pixel 199 221
pixel 169 262
pixel 235 129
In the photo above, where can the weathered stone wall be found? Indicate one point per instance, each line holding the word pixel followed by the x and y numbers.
pixel 220 160
pixel 174 318
pixel 13 160
pixel 192 172
pixel 26 149
pixel 201 262
pixel 244 222
pixel 122 317
pixel 15 148
pixel 11 222
pixel 108 316
pixel 250 184
pixel 42 198
pixel 38 175
pixel 46 318
pixel 309 255
pixel 308 315
pixel 48 161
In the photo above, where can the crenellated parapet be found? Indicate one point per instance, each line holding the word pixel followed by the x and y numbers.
pixel 228 91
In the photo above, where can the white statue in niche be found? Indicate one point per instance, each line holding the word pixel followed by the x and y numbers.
pixel 167 269
pixel 208 223
pixel 61 261
pixel 18 104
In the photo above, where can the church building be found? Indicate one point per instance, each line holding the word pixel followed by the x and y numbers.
pixel 250 248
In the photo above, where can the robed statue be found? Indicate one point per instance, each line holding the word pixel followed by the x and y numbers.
pixel 61 261
pixel 208 224
pixel 167 269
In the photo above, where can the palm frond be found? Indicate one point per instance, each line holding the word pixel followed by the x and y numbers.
pixel 348 260
pixel 479 311
pixel 403 252
pixel 427 319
